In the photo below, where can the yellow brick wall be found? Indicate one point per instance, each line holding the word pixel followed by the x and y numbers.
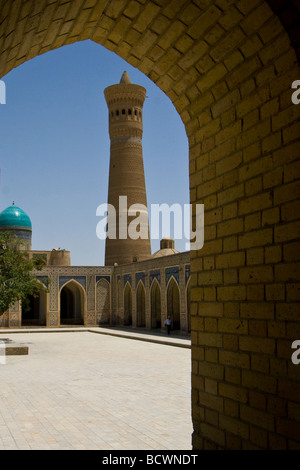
pixel 228 68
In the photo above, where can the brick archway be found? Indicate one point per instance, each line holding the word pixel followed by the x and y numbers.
pixel 155 304
pixel 227 66
pixel 140 305
pixel 127 304
pixel 72 301
pixel 173 303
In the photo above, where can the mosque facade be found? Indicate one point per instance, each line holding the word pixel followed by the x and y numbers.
pixel 135 288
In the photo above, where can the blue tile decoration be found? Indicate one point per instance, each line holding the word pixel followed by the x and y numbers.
pixel 107 278
pixel 140 277
pixel 15 307
pixel 154 275
pixel 23 234
pixel 174 271
pixel 53 292
pixel 44 280
pixel 127 278
pixel 80 279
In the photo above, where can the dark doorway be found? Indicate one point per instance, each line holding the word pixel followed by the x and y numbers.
pixel 155 305
pixel 173 303
pixel 140 305
pixel 71 305
pixel 34 310
pixel 127 305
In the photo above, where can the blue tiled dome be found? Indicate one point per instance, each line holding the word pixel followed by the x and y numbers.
pixel 14 217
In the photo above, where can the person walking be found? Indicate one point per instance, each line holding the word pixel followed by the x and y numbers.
pixel 168 324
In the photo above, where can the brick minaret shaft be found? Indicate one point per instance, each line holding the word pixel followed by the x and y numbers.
pixel 126 174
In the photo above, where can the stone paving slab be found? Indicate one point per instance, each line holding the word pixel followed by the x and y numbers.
pixel 148 336
pixel 80 390
pixel 15 349
pixel 130 333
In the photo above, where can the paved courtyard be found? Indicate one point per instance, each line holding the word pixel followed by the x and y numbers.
pixel 82 390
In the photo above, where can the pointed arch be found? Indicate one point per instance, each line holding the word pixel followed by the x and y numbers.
pixel 127 304
pixel 252 64
pixel 119 293
pixel 155 300
pixel 140 305
pixel 34 311
pixel 72 303
pixel 173 302
pixel 102 302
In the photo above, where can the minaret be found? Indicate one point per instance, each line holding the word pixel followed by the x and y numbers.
pixel 126 174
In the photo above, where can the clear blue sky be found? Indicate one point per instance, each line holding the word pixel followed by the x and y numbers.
pixel 54 147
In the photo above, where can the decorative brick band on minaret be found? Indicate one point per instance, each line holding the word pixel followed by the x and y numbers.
pixel 126 175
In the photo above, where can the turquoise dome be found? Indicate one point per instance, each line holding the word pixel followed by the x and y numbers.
pixel 14 217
